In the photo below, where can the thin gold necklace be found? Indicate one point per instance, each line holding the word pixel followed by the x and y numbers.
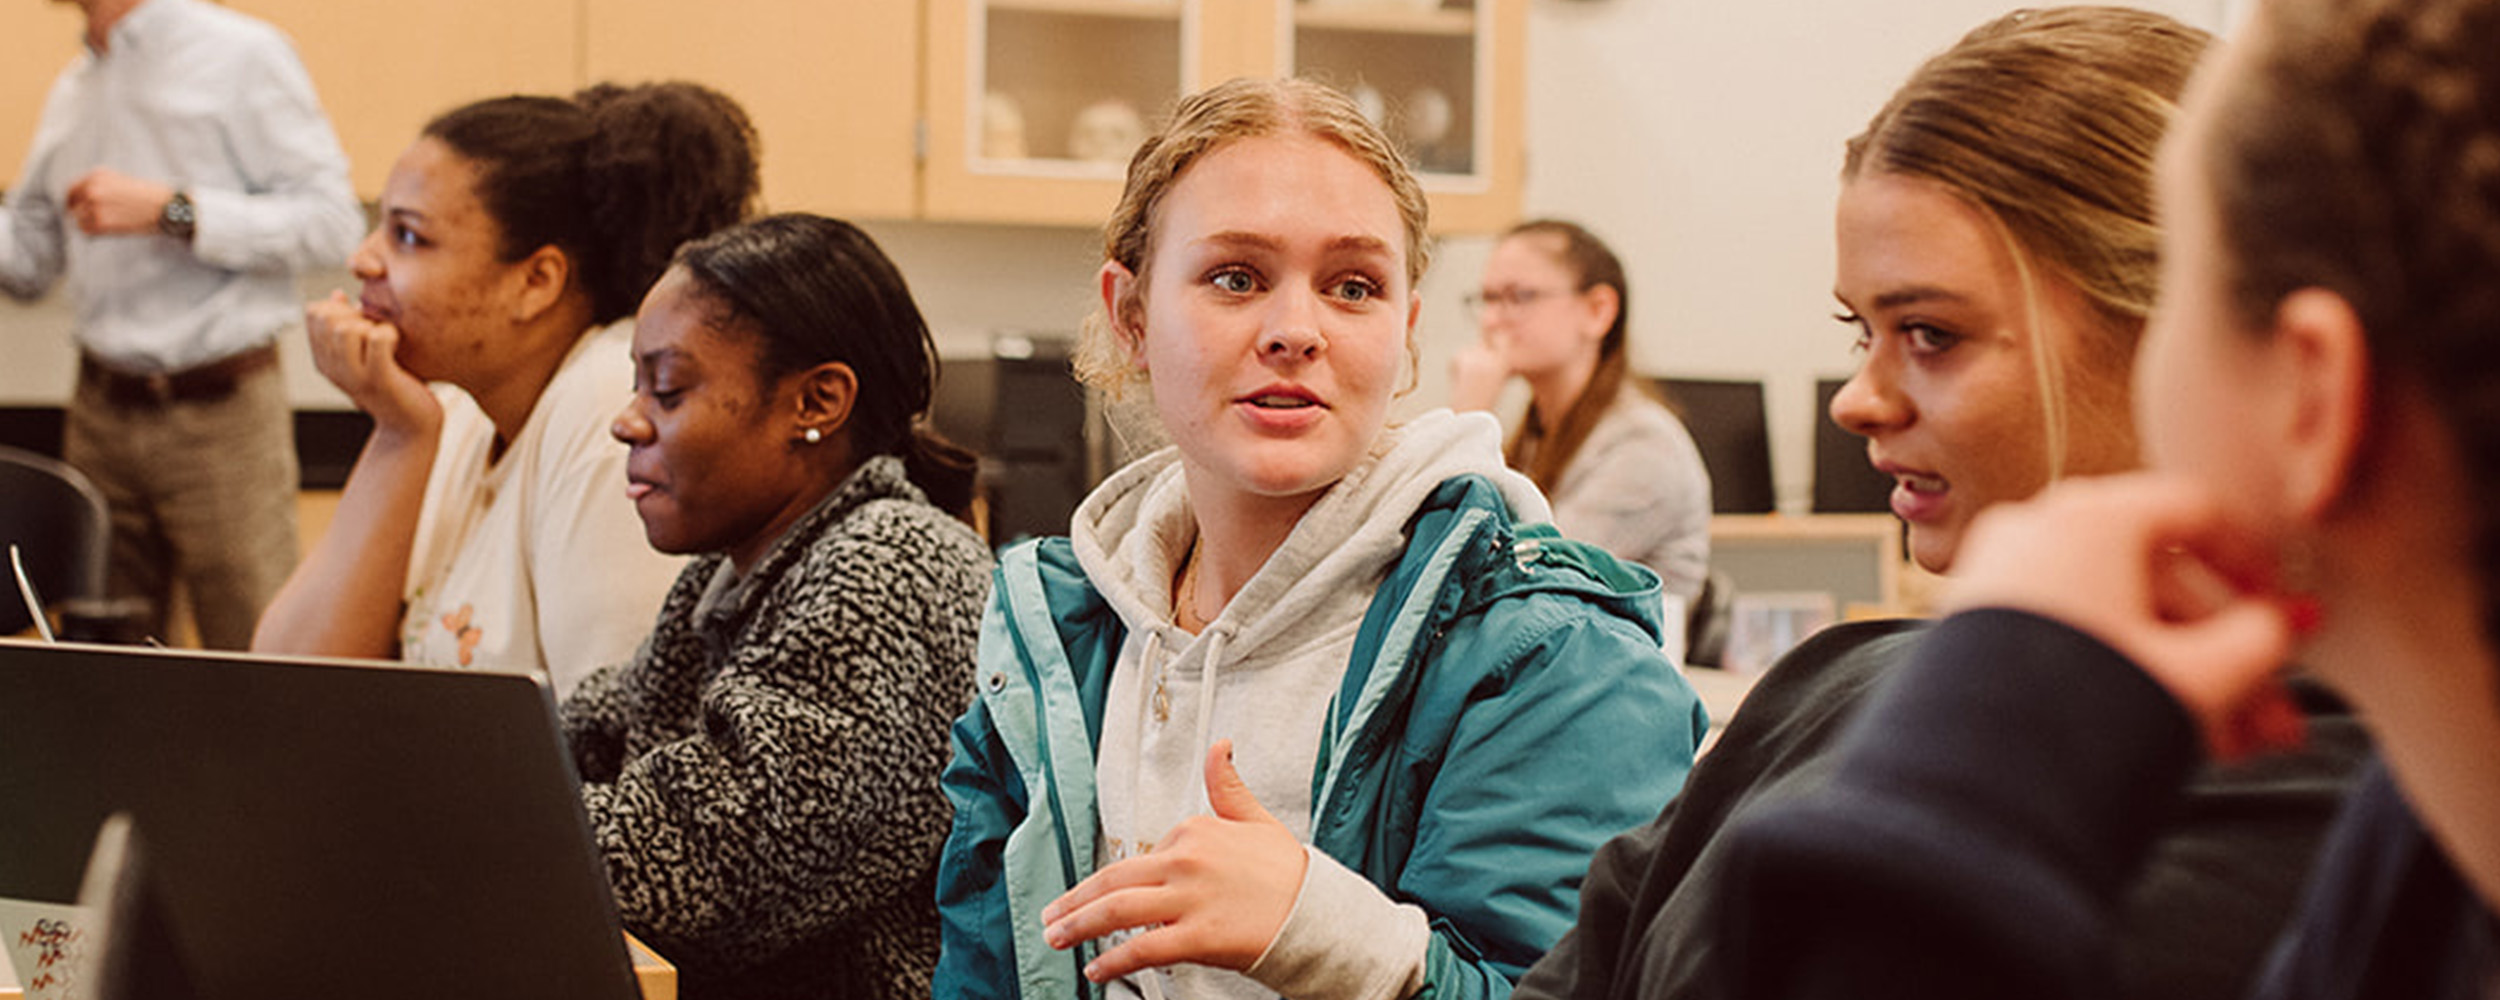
pixel 1184 608
pixel 1185 603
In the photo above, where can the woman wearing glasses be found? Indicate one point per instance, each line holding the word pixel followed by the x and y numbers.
pixel 1620 469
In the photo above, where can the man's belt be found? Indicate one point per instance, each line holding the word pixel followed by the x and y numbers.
pixel 206 383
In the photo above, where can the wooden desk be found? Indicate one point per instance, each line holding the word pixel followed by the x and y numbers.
pixel 658 978
pixel 1722 693
pixel 1857 558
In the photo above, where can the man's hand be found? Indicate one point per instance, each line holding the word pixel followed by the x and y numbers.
pixel 107 202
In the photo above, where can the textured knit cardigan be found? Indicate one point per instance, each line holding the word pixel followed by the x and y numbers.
pixel 763 783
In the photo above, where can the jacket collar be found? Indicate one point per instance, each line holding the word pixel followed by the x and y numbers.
pixel 729 602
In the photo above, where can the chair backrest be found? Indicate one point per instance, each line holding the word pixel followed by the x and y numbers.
pixel 1706 627
pixel 1728 424
pixel 57 520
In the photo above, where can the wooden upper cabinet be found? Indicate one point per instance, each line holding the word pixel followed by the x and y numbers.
pixel 36 41
pixel 994 111
pixel 1034 105
pixel 831 85
pixel 384 70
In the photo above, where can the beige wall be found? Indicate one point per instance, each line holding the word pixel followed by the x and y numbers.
pixel 1702 139
pixel 35 40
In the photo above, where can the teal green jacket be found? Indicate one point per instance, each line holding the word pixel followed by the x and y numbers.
pixel 1506 710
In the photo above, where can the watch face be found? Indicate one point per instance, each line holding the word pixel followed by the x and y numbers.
pixel 178 219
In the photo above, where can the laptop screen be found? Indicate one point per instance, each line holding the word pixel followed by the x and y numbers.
pixel 315 828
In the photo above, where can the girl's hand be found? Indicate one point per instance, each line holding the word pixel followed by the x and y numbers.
pixel 1477 374
pixel 1214 891
pixel 360 357
pixel 2153 567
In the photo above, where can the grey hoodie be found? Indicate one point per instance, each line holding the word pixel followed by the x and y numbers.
pixel 1276 655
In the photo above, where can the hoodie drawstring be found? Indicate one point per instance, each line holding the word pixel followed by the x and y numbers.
pixel 1150 981
pixel 1219 635
pixel 1156 662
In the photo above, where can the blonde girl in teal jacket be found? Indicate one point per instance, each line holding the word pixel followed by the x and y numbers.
pixel 1307 705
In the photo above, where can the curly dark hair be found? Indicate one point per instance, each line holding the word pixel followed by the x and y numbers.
pixel 616 177
pixel 2357 149
pixel 817 290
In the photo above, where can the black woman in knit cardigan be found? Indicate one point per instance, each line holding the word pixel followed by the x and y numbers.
pixel 762 776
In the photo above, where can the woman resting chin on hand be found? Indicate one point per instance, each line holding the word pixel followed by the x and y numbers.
pixel 482 527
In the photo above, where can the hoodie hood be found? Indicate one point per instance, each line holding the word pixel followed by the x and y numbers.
pixel 1133 531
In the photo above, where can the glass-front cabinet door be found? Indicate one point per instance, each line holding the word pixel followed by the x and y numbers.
pixel 1442 77
pixel 1035 105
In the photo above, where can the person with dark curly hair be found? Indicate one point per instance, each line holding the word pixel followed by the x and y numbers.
pixel 762 777
pixel 485 524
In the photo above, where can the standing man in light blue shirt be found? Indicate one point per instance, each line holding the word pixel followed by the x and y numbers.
pixel 183 172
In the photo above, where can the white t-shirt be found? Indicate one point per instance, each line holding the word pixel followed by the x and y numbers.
pixel 536 563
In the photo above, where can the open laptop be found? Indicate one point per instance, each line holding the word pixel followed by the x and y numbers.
pixel 315 829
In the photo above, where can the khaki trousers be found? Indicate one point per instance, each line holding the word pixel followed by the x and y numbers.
pixel 202 492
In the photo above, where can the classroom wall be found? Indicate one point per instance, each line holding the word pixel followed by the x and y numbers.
pixel 1701 139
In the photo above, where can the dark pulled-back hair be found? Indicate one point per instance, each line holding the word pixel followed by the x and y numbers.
pixel 616 177
pixel 817 290
pixel 2358 150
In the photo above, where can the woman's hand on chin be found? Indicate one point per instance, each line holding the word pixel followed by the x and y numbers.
pixel 1477 373
pixel 360 357
pixel 1214 891
pixel 2154 567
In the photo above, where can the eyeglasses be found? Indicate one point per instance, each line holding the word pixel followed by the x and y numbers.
pixel 1509 298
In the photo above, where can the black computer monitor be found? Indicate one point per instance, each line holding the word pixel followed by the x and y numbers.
pixel 1027 416
pixel 1727 422
pixel 315 829
pixel 1843 481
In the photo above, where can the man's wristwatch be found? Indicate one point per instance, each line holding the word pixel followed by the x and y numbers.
pixel 179 219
